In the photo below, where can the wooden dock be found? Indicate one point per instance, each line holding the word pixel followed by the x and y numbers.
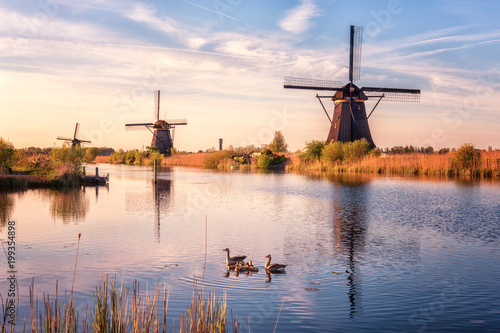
pixel 95 179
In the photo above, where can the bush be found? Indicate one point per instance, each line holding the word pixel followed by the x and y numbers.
pixel 332 152
pixel 263 161
pixel 356 149
pixel 313 150
pixel 278 145
pixel 214 159
pixel 467 157
pixel 117 156
pixel 6 154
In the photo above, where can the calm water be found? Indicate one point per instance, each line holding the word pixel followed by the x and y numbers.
pixel 364 253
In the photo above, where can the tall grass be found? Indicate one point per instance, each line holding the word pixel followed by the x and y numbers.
pixel 408 165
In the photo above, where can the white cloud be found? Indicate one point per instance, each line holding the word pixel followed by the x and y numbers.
pixel 299 18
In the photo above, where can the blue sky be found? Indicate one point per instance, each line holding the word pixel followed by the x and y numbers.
pixel 220 64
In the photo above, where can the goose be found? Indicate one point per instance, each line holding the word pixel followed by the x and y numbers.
pixel 233 260
pixel 274 268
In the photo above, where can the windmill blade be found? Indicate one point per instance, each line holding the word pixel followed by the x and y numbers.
pixel 77 129
pixel 393 94
pixel 355 53
pixel 86 141
pixel 137 126
pixel 176 121
pixel 157 104
pixel 312 84
pixel 63 138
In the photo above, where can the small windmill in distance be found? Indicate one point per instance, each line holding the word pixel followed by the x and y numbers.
pixel 162 139
pixel 74 141
pixel 349 121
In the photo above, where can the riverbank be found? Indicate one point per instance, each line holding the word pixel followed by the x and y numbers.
pixel 405 165
pixel 394 164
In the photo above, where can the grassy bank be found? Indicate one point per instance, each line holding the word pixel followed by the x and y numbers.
pixel 406 165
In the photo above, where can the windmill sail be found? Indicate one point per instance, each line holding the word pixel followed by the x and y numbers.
pixel 301 83
pixel 393 94
pixel 355 53
pixel 157 105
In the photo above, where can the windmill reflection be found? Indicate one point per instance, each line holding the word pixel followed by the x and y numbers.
pixel 68 205
pixel 349 231
pixel 162 196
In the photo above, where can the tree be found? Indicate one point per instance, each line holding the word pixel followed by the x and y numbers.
pixel 467 156
pixel 278 145
pixel 6 154
pixel 332 152
pixel 313 150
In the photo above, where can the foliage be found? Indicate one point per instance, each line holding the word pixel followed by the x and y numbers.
pixel 443 151
pixel 313 150
pixel 263 161
pixel 332 152
pixel 356 149
pixel 239 159
pixel 154 154
pixel 117 157
pixel 91 153
pixel 6 154
pixel 467 157
pixel 67 161
pixel 215 158
pixel 278 145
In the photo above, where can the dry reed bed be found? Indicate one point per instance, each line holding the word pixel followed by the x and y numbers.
pixel 408 164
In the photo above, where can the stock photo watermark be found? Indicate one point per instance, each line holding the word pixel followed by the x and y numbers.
pixel 10 253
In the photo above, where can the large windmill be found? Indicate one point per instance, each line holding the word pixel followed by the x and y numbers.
pixel 349 121
pixel 74 141
pixel 162 138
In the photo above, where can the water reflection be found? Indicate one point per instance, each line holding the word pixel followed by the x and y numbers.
pixel 97 187
pixel 349 231
pixel 6 208
pixel 68 205
pixel 162 196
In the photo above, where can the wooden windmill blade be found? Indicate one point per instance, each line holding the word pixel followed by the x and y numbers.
pixel 64 138
pixel 393 94
pixel 157 105
pixel 356 40
pixel 137 126
pixel 77 129
pixel 176 121
pixel 311 84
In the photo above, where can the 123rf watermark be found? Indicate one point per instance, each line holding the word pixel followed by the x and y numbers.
pixel 10 253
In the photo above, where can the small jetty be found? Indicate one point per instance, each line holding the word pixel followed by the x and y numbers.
pixel 95 179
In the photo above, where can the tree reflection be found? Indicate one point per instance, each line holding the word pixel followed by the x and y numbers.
pixel 6 208
pixel 68 205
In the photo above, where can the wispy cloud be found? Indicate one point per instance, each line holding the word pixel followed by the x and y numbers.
pixel 299 18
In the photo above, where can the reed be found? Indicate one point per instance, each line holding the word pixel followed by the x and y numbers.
pixel 408 165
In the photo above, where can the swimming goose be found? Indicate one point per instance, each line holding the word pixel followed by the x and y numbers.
pixel 233 260
pixel 274 268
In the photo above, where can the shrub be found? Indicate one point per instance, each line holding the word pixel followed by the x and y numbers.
pixel 467 157
pixel 214 159
pixel 263 161
pixel 313 150
pixel 6 154
pixel 356 149
pixel 332 152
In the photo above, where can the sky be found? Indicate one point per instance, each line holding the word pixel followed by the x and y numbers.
pixel 220 64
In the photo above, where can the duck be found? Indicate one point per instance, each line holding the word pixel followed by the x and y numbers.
pixel 274 268
pixel 249 267
pixel 233 260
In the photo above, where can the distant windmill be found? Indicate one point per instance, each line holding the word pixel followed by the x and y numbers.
pixel 74 141
pixel 349 121
pixel 162 139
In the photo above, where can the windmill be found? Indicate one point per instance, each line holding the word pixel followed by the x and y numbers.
pixel 349 121
pixel 162 139
pixel 74 141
